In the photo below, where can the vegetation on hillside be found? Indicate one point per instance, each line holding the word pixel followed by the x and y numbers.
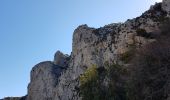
pixel 147 78
pixel 150 75
pixel 103 83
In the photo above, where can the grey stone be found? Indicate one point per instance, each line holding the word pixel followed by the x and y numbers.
pixel 61 59
pixel 14 98
pixel 44 78
pixel 59 80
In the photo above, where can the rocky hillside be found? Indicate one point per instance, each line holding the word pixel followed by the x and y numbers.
pixel 62 78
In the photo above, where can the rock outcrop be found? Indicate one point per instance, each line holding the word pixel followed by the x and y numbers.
pixel 59 79
pixel 60 59
pixel 15 98
pixel 166 6
pixel 96 46
pixel 44 78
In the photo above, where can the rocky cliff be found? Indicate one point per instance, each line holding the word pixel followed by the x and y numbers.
pixel 59 79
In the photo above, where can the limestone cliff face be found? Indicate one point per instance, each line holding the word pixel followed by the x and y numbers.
pixel 44 78
pixel 96 46
pixel 59 80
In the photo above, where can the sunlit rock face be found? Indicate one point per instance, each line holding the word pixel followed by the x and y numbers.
pixel 59 79
pixel 105 44
pixel 93 46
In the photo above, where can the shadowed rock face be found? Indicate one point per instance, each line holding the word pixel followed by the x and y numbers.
pixel 59 80
pixel 61 59
pixel 44 78
pixel 15 98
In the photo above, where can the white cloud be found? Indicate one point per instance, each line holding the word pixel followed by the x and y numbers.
pixel 158 0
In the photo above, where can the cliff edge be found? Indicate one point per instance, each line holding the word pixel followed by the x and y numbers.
pixel 60 79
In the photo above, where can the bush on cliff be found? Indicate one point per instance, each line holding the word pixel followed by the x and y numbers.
pixel 103 83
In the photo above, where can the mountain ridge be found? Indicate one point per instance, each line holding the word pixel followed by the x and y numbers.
pixel 60 79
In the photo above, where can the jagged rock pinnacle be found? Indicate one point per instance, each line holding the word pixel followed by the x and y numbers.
pixel 60 59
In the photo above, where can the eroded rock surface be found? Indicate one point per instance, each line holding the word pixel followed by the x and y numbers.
pixel 96 46
pixel 59 79
pixel 44 78
pixel 61 59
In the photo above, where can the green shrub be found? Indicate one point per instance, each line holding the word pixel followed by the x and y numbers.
pixel 149 73
pixel 103 83
pixel 127 56
pixel 89 84
pixel 115 73
pixel 91 74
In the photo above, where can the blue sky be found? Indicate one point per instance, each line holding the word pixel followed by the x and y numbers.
pixel 31 31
